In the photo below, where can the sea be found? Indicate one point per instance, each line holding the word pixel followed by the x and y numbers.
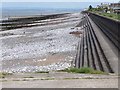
pixel 22 9
pixel 7 13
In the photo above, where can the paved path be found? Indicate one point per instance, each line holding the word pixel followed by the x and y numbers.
pixel 79 83
pixel 59 80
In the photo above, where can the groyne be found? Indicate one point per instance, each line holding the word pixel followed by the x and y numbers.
pixel 13 23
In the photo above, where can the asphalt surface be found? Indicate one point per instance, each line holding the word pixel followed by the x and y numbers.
pixel 59 80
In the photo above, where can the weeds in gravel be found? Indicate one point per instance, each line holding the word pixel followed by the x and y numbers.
pixel 3 74
pixel 47 79
pixel 70 78
pixel 42 72
pixel 28 77
pixel 85 70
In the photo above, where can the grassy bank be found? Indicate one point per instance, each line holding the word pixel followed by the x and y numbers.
pixel 110 15
pixel 84 70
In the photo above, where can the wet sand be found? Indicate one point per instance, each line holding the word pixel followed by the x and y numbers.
pixel 48 47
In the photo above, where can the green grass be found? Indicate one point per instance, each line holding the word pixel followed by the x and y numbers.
pixel 109 15
pixel 3 74
pixel 84 70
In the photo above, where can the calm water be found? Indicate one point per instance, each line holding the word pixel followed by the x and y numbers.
pixel 30 12
pixel 12 9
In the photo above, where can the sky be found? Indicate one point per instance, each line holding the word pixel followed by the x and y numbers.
pixel 81 4
pixel 60 0
pixel 52 5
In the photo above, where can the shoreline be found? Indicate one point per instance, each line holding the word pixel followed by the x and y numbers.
pixel 29 21
pixel 33 16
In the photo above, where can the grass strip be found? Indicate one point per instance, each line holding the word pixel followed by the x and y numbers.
pixel 3 74
pixel 84 70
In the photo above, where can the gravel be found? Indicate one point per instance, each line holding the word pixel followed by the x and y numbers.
pixel 37 42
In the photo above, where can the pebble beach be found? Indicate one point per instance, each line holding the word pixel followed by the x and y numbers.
pixel 41 48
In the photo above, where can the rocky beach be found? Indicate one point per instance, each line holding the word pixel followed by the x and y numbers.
pixel 47 47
